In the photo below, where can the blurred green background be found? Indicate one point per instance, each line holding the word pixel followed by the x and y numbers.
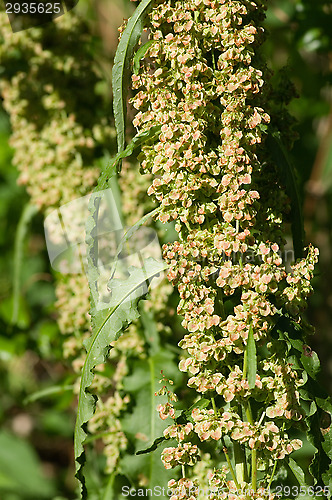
pixel 36 456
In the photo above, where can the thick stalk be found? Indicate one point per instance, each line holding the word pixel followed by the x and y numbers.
pixel 240 463
pixel 245 364
pixel 234 474
pixel 231 468
pixel 254 451
pixel 239 456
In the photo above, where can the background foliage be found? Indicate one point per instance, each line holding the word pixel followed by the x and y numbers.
pixel 36 457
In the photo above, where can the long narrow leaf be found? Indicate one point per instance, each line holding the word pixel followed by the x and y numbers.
pixel 49 391
pixel 135 143
pixel 140 54
pixel 107 325
pixel 121 68
pixel 28 213
pixel 251 359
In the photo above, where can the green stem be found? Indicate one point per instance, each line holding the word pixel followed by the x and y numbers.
pixel 253 452
pixel 273 474
pixel 254 470
pixel 221 302
pixel 214 407
pixel 245 363
pixel 239 455
pixel 240 463
pixel 214 66
pixel 234 475
pixel 109 494
pixel 231 469
pixel 247 408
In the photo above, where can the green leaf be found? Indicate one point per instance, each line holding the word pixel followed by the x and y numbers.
pixel 251 359
pixel 28 213
pixel 128 235
pixel 144 424
pixel 49 391
pixel 140 54
pixel 151 333
pixel 310 362
pixel 280 157
pixel 109 490
pixel 121 68
pixel 297 471
pixel 184 416
pixel 153 447
pixel 111 168
pixel 201 404
pixel 325 424
pixel 108 321
pixel 322 459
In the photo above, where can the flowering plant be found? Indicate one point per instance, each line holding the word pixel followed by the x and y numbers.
pixel 221 173
pixel 214 130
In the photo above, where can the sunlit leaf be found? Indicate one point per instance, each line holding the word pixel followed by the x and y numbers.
pixel 121 68
pixel 108 322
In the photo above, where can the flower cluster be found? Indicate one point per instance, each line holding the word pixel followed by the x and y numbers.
pixel 54 135
pixel 204 82
pixel 106 420
pixel 184 453
pixel 60 128
pixel 263 436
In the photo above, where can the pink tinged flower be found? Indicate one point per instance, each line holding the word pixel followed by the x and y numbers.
pixel 164 218
pixel 255 120
pixel 251 443
pixel 204 436
pixel 237 434
pixel 228 396
pixel 232 86
pixel 215 320
pixel 258 383
pixel 254 195
pixel 279 411
pixel 193 326
pixel 226 179
pixel 216 434
pixel 184 363
pixel 266 278
pixel 234 336
pixel 188 428
pixel 263 249
pixel 270 412
pixel 188 25
pixel 289 448
pixel 270 426
pixel 229 425
pixel 296 444
pixel 246 179
pixel 228 216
